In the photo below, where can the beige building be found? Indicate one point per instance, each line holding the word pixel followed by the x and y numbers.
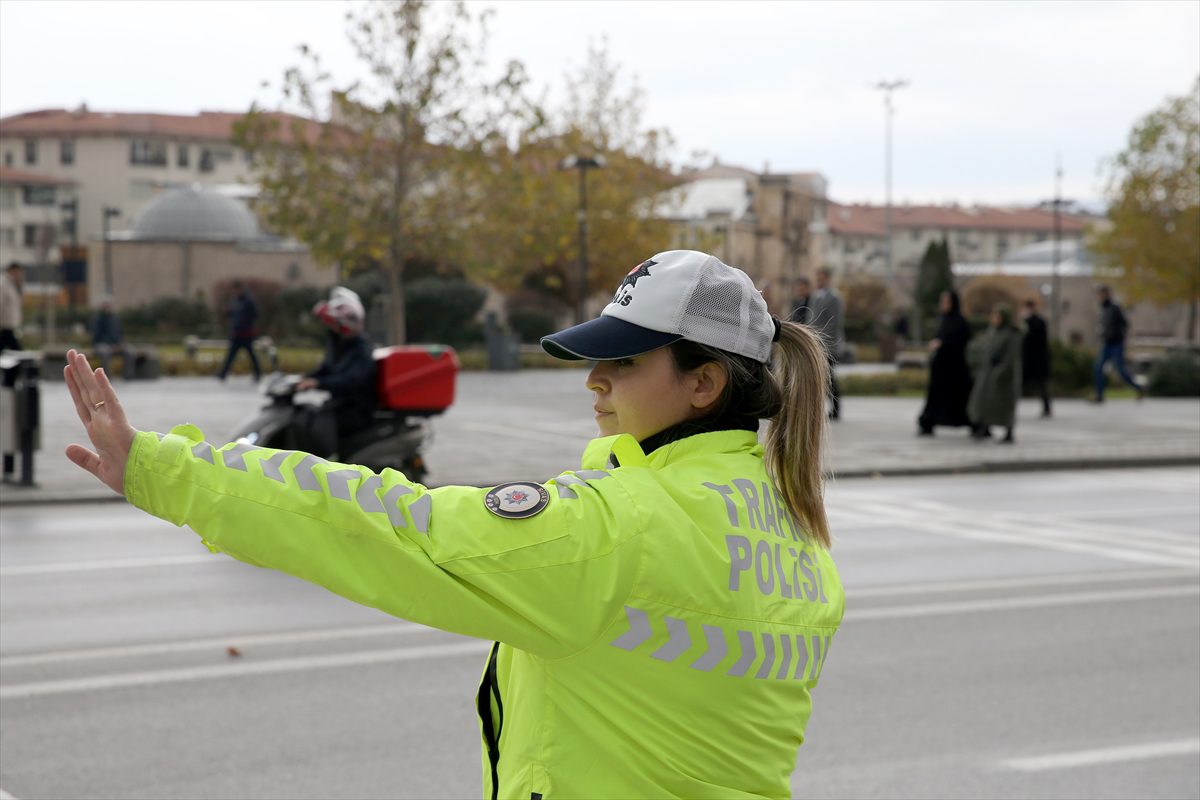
pixel 771 225
pixel 189 240
pixel 32 220
pixel 121 161
pixel 856 242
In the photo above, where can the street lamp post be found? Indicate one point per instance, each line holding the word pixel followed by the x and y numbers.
pixel 108 213
pixel 887 87
pixel 583 164
pixel 1055 296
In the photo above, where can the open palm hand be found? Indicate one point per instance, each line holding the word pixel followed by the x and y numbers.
pixel 102 416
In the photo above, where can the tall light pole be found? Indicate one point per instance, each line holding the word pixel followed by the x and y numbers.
pixel 583 164
pixel 1055 296
pixel 108 212
pixel 887 87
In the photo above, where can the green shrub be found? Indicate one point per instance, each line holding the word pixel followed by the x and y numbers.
pixel 1070 369
pixel 169 319
pixel 1177 375
pixel 533 313
pixel 900 382
pixel 443 310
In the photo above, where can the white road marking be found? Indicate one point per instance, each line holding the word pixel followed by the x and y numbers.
pixel 1012 603
pixel 932 517
pixel 6 796
pixel 1023 582
pixel 243 642
pixel 302 663
pixel 240 669
pixel 1107 755
pixel 111 563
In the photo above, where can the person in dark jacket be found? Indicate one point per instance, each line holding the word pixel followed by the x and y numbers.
pixel 1035 355
pixel 243 323
pixel 1112 328
pixel 802 290
pixel 997 385
pixel 347 373
pixel 949 376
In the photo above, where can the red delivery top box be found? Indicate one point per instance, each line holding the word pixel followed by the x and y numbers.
pixel 416 378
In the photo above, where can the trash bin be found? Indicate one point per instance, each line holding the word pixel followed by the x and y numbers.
pixel 504 349
pixel 20 413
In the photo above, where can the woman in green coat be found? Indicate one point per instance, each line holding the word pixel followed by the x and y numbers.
pixel 997 377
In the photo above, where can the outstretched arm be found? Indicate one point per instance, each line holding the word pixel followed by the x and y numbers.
pixel 102 416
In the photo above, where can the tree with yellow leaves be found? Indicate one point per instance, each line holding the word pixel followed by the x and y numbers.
pixel 1153 243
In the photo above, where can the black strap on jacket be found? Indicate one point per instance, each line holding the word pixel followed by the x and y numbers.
pixel 489 688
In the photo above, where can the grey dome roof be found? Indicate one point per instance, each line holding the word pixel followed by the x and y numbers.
pixel 196 214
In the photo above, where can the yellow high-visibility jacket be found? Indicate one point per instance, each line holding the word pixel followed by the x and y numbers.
pixel 660 619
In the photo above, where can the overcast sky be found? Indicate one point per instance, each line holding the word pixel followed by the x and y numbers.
pixel 996 89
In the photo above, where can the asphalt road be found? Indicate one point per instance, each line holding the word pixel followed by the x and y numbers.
pixel 1027 635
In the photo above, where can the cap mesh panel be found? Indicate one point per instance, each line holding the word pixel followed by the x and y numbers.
pixel 714 314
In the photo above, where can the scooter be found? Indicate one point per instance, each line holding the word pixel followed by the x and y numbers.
pixel 413 384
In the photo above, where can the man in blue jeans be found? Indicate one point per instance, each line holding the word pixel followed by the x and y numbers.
pixel 1112 328
pixel 243 323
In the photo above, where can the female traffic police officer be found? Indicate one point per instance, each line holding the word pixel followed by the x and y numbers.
pixel 661 614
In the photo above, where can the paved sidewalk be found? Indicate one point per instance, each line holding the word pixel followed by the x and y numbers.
pixel 533 424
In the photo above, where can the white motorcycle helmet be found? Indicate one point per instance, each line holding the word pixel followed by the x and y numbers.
pixel 342 313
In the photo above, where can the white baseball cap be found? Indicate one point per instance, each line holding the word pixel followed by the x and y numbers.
pixel 677 294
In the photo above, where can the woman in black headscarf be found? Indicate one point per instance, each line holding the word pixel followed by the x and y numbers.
pixel 949 376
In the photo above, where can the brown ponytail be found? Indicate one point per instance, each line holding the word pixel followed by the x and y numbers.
pixel 796 436
pixel 791 394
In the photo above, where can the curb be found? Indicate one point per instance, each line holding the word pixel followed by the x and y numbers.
pixel 998 467
pixel 1049 465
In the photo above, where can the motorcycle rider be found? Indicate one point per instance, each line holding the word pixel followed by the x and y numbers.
pixel 347 373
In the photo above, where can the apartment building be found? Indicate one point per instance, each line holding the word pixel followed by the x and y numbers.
pixel 857 236
pixel 122 160
pixel 33 221
pixel 772 225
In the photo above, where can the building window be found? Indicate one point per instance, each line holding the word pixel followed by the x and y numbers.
pixel 182 156
pixel 148 153
pixel 31 151
pixel 916 234
pixel 206 160
pixel 8 197
pixel 8 236
pixel 31 234
pixel 37 195
pixel 66 151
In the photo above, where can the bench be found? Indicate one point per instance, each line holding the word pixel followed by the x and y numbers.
pixel 212 351
pixel 138 362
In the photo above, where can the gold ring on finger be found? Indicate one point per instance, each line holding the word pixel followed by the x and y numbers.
pixel 97 405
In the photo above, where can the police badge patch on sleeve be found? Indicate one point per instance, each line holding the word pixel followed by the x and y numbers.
pixel 517 500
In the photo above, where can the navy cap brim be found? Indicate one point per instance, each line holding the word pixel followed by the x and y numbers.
pixel 604 339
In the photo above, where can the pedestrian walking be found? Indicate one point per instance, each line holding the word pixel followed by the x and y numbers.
pixel 1112 328
pixel 997 384
pixel 825 314
pixel 949 376
pixel 10 307
pixel 1035 355
pixel 801 293
pixel 243 325
pixel 660 615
